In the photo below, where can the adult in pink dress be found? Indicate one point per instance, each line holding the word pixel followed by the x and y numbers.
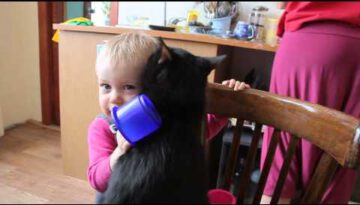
pixel 318 60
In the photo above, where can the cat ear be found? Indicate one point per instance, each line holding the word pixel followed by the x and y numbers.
pixel 162 75
pixel 165 54
pixel 214 61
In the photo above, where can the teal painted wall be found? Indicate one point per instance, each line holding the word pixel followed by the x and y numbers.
pixel 74 9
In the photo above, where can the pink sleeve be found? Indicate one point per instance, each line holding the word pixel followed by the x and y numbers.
pixel 101 143
pixel 215 124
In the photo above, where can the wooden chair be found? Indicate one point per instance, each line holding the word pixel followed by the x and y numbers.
pixel 320 125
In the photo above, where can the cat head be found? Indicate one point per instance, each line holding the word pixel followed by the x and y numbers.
pixel 175 79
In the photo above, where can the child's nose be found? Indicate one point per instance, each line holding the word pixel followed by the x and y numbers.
pixel 116 98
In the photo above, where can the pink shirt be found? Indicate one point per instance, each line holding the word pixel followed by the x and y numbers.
pixel 299 13
pixel 102 142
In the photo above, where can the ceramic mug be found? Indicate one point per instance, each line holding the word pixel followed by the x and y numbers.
pixel 244 30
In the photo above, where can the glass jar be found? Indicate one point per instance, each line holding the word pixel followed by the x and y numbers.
pixel 257 19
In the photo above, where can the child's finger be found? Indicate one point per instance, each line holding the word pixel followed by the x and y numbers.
pixel 225 82
pixel 232 83
pixel 119 137
pixel 237 85
pixel 126 146
pixel 241 86
pixel 122 143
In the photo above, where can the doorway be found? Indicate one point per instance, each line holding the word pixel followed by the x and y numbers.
pixel 48 14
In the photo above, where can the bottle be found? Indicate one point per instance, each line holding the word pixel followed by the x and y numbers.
pixel 192 16
pixel 270 31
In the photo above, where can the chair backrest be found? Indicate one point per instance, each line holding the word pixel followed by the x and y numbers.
pixel 320 125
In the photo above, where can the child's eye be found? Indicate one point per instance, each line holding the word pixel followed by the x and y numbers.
pixel 129 87
pixel 105 86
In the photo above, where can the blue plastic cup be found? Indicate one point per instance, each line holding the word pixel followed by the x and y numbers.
pixel 136 119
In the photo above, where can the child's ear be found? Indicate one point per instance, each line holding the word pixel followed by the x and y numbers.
pixel 214 61
pixel 165 54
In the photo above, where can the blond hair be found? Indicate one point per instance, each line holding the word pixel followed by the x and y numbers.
pixel 132 48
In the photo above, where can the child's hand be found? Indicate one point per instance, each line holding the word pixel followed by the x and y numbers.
pixel 122 148
pixel 236 85
pixel 122 143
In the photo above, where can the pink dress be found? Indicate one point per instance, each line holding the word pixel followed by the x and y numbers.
pixel 319 63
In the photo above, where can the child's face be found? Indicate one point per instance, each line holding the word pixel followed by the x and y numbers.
pixel 117 83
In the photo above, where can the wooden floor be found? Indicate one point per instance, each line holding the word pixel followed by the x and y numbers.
pixel 31 169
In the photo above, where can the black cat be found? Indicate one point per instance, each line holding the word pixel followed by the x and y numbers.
pixel 168 166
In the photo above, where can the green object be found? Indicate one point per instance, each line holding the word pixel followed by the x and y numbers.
pixel 81 23
pixel 75 21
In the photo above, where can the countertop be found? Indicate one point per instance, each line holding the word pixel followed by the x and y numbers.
pixel 170 35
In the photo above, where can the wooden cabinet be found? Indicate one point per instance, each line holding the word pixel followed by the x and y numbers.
pixel 78 83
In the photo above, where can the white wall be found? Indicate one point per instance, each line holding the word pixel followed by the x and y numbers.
pixel 176 9
pixel 245 8
pixel 155 10
pixel 1 124
pixel 19 62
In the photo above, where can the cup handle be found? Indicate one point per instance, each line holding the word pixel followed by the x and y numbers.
pixel 252 31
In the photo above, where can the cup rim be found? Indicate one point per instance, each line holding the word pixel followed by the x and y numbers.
pixel 244 22
pixel 116 119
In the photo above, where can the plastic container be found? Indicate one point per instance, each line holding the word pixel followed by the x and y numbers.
pixel 221 25
pixel 220 196
pixel 136 119
pixel 270 31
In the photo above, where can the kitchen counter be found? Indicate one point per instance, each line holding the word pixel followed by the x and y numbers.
pixel 203 38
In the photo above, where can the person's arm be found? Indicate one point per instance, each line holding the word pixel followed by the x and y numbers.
pixel 101 145
pixel 104 151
